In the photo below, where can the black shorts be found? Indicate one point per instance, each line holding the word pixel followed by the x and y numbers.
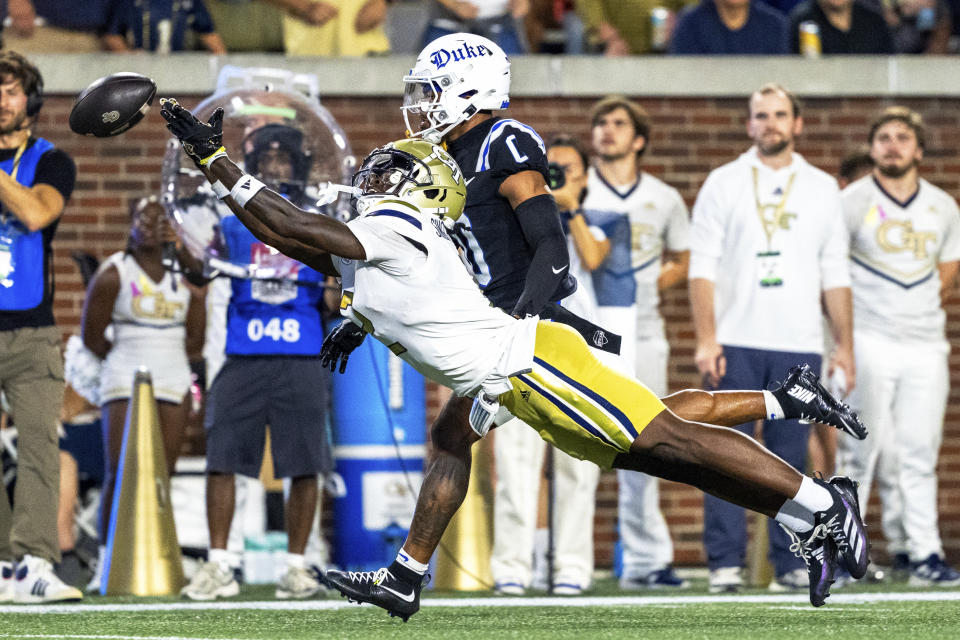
pixel 288 393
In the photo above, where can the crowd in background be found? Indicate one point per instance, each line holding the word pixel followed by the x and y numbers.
pixel 379 27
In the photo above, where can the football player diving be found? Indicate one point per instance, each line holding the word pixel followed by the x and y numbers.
pixel 413 295
pixel 513 245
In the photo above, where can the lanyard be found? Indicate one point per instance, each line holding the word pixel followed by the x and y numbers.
pixel 770 225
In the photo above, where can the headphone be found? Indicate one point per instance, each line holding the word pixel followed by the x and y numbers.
pixel 35 98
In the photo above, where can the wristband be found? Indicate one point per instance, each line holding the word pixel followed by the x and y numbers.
pixel 219 153
pixel 221 191
pixel 247 187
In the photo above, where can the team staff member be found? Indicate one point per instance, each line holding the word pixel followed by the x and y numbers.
pixel 904 253
pixel 36 181
pixel 647 229
pixel 767 239
pixel 272 376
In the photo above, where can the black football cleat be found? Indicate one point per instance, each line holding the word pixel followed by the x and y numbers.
pixel 819 552
pixel 845 526
pixel 381 588
pixel 802 396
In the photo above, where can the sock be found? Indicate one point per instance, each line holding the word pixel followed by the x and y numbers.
pixel 222 557
pixel 795 517
pixel 296 561
pixel 812 496
pixel 101 556
pixel 774 409
pixel 407 560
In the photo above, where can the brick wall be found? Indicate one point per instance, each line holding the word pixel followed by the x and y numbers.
pixel 690 136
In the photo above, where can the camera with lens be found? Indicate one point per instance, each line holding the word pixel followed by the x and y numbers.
pixel 556 177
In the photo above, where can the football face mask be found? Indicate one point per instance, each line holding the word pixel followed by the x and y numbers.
pixel 387 172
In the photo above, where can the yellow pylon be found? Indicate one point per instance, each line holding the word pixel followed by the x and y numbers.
pixel 143 555
pixel 468 538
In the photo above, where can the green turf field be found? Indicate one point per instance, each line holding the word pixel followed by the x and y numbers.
pixel 872 613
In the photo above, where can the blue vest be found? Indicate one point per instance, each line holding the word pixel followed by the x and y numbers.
pixel 270 318
pixel 22 252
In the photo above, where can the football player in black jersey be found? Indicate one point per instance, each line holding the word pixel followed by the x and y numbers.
pixel 514 246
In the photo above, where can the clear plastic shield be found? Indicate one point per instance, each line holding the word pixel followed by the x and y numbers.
pixel 258 126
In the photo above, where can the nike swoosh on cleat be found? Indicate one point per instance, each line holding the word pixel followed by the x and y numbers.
pixel 406 598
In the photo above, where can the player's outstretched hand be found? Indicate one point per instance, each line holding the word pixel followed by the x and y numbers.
pixel 202 141
pixel 339 344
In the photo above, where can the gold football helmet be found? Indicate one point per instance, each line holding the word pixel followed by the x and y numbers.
pixel 415 171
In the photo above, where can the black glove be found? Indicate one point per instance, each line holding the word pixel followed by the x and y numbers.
pixel 201 140
pixel 339 344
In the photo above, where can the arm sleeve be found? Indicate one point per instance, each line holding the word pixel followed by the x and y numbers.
pixel 58 170
pixel 707 231
pixel 516 148
pixel 540 223
pixel 835 255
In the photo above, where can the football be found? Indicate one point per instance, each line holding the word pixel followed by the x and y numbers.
pixel 112 104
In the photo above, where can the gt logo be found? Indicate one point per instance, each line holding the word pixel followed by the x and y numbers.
pixel 894 236
pixel 110 116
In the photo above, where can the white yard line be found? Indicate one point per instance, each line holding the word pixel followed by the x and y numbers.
pixel 499 601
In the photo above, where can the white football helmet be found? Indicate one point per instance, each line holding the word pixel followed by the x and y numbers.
pixel 455 76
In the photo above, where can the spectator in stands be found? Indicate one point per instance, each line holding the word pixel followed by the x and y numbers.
pixel 234 17
pixel 334 27
pixel 735 27
pixel 919 26
pixel 493 19
pixel 622 27
pixel 156 321
pixel 846 27
pixel 36 180
pixel 553 26
pixel 767 241
pixel 161 26
pixel 61 26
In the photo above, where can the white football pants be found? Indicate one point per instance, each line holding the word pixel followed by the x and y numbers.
pixel 901 395
pixel 644 536
pixel 519 453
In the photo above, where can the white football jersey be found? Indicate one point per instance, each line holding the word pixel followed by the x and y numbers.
pixel 640 222
pixel 413 293
pixel 895 248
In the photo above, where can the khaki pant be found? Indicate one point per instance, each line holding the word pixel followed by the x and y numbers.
pixel 31 376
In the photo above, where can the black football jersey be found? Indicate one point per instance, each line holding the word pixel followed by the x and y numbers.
pixel 494 249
